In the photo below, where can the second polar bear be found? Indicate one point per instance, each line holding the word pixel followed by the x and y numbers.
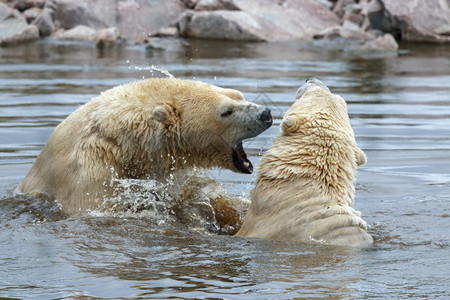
pixel 305 186
pixel 143 130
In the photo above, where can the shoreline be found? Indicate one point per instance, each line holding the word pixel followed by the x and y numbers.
pixel 372 25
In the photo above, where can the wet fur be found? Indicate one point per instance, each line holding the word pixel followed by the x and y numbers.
pixel 305 185
pixel 140 130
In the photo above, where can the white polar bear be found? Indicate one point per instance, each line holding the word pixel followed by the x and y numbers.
pixel 305 185
pixel 145 129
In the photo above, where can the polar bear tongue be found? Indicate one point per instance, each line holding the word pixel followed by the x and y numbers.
pixel 240 159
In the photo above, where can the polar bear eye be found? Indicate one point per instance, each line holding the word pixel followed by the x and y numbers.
pixel 226 113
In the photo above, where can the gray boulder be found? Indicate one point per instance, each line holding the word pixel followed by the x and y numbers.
pixel 136 20
pixel 107 38
pixel 412 20
pixel 356 27
pixel 96 14
pixel 340 7
pixel 221 24
pixel 140 19
pixel 31 14
pixel 385 42
pixel 78 33
pixel 190 3
pixel 14 27
pixel 260 20
pixel 22 5
pixel 215 5
pixel 351 30
pixel 44 21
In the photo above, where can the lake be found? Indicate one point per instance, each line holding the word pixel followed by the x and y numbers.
pixel 399 107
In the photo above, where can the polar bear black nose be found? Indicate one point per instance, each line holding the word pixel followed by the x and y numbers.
pixel 266 116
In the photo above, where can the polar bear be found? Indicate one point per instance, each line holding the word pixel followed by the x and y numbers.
pixel 143 130
pixel 305 186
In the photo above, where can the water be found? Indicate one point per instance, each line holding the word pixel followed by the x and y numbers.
pixel 400 111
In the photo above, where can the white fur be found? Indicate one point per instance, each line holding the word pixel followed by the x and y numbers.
pixel 305 186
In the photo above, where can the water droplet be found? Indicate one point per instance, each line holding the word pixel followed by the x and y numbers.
pixel 153 68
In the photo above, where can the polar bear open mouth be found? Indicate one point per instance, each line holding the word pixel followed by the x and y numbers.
pixel 240 159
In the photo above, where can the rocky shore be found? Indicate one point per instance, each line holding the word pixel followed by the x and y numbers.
pixel 375 24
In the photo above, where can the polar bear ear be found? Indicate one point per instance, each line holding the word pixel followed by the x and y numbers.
pixel 166 114
pixel 360 157
pixel 289 124
pixel 160 114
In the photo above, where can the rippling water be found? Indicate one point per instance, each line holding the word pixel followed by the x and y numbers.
pixel 400 111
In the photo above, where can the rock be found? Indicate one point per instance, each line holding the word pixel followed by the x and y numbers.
pixel 385 42
pixel 107 37
pixel 95 14
pixel 23 5
pixel 326 3
pixel 140 19
pixel 260 20
pixel 378 18
pixel 15 32
pixel 348 30
pixel 14 28
pixel 167 31
pixel 10 3
pixel 216 5
pixel 154 44
pixel 78 33
pixel 135 19
pixel 51 4
pixel 32 3
pixel 375 33
pixel 189 3
pixel 45 20
pixel 330 32
pixel 354 14
pixel 222 25
pixel 340 7
pixel 6 12
pixel 295 19
pixel 45 23
pixel 351 30
pixel 32 13
pixel 412 20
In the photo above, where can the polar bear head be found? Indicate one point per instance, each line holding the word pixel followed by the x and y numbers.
pixel 209 123
pixel 317 111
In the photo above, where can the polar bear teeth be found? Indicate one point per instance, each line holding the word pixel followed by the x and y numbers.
pixel 240 159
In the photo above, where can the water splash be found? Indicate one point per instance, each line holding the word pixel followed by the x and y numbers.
pixel 151 69
pixel 188 198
